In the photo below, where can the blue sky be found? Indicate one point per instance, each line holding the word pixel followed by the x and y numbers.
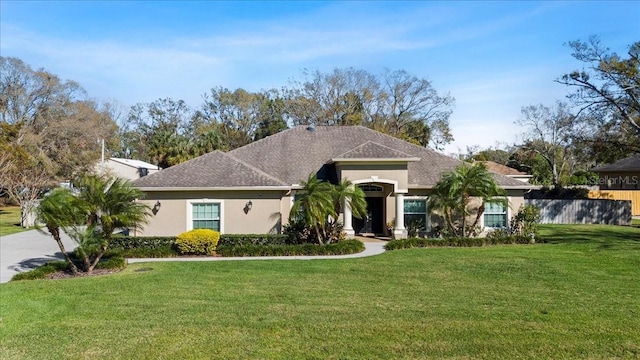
pixel 493 57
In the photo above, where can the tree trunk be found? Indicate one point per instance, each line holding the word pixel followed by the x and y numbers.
pixel 450 222
pixel 478 215
pixel 55 232
pixel 319 235
pixel 103 249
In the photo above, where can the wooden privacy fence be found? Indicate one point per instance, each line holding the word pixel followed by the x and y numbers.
pixel 632 195
pixel 583 211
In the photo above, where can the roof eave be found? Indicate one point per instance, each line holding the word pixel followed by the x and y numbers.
pixel 505 187
pixel 213 188
pixel 373 160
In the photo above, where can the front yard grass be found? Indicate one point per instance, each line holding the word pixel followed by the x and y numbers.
pixel 578 297
pixel 10 220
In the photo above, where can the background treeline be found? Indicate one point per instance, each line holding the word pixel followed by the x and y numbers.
pixel 50 129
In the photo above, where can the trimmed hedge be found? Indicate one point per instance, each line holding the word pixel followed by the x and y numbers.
pixel 145 246
pixel 138 242
pixel 457 242
pixel 233 245
pixel 341 248
pixel 252 239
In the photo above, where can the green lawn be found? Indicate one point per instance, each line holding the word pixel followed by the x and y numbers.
pixel 10 220
pixel 578 297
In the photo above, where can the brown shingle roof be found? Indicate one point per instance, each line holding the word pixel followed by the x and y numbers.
pixel 215 169
pixel 630 164
pixel 372 150
pixel 288 157
pixel 501 169
pixel 293 154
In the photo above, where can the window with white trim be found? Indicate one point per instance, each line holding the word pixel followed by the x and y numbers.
pixel 415 211
pixel 205 216
pixel 495 215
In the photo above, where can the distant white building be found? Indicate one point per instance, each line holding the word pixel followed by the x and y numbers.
pixel 126 168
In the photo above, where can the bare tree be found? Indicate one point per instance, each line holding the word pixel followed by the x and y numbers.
pixel 549 134
pixel 24 185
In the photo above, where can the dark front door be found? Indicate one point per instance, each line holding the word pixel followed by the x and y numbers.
pixel 374 221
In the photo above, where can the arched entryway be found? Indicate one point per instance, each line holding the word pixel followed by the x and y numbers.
pixel 374 222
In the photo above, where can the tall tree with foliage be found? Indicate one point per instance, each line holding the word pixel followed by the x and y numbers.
pixel 453 194
pixel 90 217
pixel 54 122
pixel 396 103
pixel 242 116
pixel 159 132
pixel 607 95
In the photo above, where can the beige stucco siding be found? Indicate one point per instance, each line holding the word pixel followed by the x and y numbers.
pixel 395 172
pixel 174 215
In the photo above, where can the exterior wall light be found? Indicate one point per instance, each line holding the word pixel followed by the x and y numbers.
pixel 156 207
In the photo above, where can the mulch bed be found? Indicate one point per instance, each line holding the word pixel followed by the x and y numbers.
pixel 68 275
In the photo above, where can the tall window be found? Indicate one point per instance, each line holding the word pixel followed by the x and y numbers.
pixel 206 216
pixel 415 212
pixel 495 215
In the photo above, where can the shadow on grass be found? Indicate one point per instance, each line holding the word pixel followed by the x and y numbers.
pixel 607 237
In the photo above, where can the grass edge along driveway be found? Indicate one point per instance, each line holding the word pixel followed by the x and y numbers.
pixel 578 297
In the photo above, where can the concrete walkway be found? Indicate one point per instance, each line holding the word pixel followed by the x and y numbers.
pixel 370 249
pixel 28 250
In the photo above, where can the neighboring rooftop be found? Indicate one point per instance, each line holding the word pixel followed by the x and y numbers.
pixel 630 164
pixel 494 167
pixel 135 163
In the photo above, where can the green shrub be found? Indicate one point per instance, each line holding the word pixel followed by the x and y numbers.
pixel 458 242
pixel 198 242
pixel 298 232
pixel 41 272
pixel 526 221
pixel 158 252
pixel 340 248
pixel 252 239
pixel 139 242
pixel 112 260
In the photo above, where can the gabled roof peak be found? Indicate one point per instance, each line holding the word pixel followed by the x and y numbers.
pixel 371 150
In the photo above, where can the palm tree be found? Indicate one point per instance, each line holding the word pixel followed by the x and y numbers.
pixel 101 206
pixel 56 212
pixel 314 205
pixel 345 192
pixel 455 189
pixel 110 204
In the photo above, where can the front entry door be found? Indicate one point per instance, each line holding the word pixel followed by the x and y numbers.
pixel 373 223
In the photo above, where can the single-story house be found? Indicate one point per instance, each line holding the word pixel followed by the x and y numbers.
pixel 126 168
pixel 251 189
pixel 621 175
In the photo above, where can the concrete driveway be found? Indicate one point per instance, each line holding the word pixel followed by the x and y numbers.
pixel 27 250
